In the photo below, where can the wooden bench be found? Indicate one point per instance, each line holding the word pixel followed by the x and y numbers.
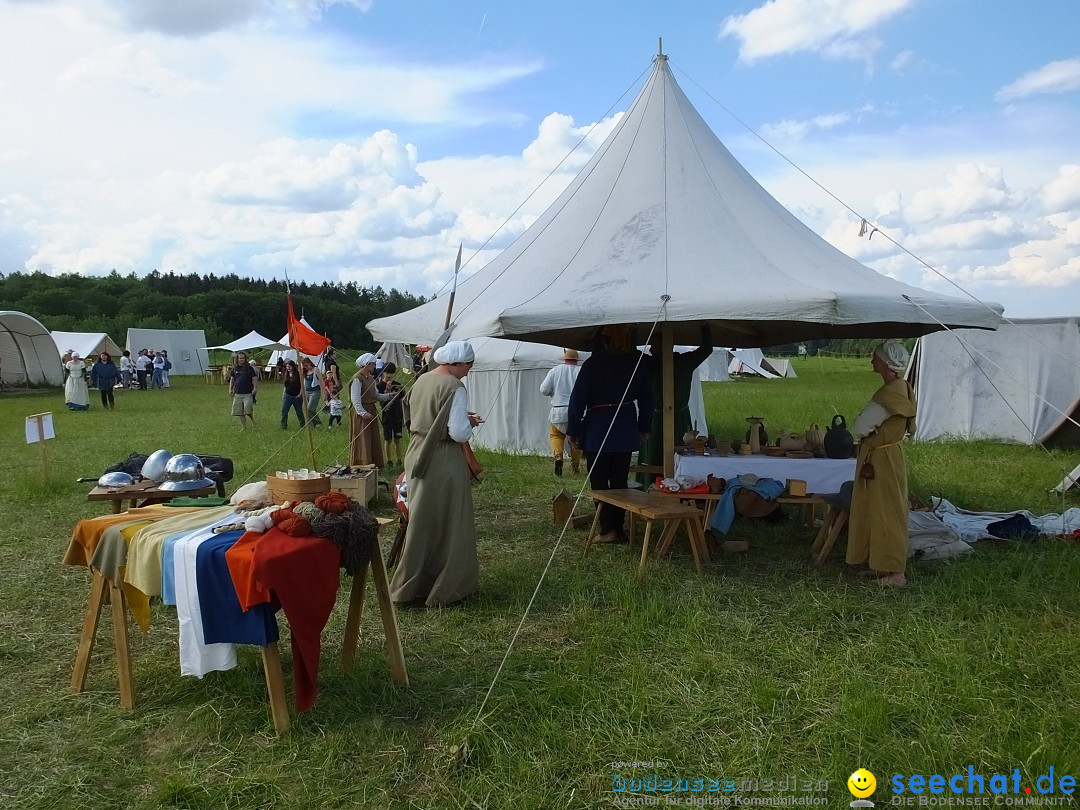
pixel 653 507
pixel 104 591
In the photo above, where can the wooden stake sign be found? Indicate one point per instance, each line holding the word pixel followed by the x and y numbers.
pixel 39 427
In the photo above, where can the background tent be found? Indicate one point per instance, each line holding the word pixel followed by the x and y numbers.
pixel 87 344
pixel 780 366
pixel 973 384
pixel 186 347
pixel 396 353
pixel 27 352
pixel 504 388
pixel 750 361
pixel 252 340
pixel 715 369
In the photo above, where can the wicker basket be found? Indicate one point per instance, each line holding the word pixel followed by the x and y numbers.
pixel 307 489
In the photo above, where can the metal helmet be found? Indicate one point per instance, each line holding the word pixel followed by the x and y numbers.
pixel 185 471
pixel 115 479
pixel 153 469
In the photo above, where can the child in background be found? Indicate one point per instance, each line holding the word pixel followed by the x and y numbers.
pixel 335 406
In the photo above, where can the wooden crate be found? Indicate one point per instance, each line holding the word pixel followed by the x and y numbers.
pixel 361 485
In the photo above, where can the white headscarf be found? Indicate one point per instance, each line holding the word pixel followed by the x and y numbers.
pixel 893 354
pixel 457 351
pixel 364 359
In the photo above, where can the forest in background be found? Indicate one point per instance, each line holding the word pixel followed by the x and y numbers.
pixel 225 307
pixel 228 307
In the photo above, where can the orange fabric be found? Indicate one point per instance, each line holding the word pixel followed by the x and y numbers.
pixel 87 533
pixel 301 337
pixel 241 561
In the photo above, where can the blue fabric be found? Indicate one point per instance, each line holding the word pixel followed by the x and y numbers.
pixel 168 569
pixel 222 617
pixel 594 403
pixel 289 401
pixel 768 488
pixel 103 376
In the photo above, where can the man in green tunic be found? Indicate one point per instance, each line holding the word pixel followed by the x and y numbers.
pixel 878 529
pixel 438 563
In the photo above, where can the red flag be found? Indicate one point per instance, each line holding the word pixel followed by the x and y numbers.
pixel 303 338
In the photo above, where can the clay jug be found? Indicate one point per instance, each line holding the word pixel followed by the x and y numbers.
pixel 838 441
pixel 815 440
pixel 790 440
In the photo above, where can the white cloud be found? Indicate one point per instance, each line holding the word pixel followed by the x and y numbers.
pixel 790 130
pixel 187 18
pixel 1062 76
pixel 969 190
pixel 902 60
pixel 1063 192
pixel 834 27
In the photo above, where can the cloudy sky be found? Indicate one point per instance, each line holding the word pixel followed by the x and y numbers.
pixel 363 140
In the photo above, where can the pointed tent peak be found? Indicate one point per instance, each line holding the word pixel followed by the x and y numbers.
pixel 663 208
pixel 660 55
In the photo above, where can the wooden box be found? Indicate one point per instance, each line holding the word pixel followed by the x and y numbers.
pixel 307 489
pixel 796 486
pixel 360 485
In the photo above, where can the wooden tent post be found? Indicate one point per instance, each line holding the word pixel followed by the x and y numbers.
pixel 667 396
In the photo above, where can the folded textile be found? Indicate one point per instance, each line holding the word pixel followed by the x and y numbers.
pixel 223 618
pixel 768 488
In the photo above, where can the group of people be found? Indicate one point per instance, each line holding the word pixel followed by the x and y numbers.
pixel 103 374
pixel 606 409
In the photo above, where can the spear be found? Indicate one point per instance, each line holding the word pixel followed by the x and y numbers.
pixel 453 291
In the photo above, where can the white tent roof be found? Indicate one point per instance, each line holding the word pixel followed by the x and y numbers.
pixel 1014 384
pixel 87 344
pixel 750 361
pixel 715 368
pixel 186 347
pixel 504 388
pixel 27 352
pixel 781 365
pixel 396 353
pixel 663 209
pixel 252 340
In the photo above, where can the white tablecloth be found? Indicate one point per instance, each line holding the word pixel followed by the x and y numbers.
pixel 822 475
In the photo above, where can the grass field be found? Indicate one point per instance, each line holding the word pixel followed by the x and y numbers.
pixel 764 669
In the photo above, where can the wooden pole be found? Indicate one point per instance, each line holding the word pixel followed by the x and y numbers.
pixel 667 395
pixel 40 419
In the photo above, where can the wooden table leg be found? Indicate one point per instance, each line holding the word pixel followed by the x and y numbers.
pixel 117 506
pixel 670 527
pixel 98 590
pixel 352 621
pixel 123 646
pixel 389 619
pixel 592 530
pixel 697 544
pixel 830 531
pixel 644 550
pixel 275 687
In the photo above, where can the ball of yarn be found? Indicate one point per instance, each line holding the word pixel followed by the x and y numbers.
pixel 295 526
pixel 280 515
pixel 309 511
pixel 333 502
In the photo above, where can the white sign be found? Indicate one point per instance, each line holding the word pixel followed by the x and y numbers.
pixel 39 427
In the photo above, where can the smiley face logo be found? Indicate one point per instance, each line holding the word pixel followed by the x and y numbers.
pixel 861 783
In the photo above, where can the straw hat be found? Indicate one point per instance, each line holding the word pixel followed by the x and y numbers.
pixel 570 354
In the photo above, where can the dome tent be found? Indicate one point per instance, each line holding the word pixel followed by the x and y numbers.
pixel 27 351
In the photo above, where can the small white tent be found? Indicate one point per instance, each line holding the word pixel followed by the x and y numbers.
pixel 87 344
pixel 252 340
pixel 27 352
pixel 781 366
pixel 504 389
pixel 1020 383
pixel 186 347
pixel 750 361
pixel 715 369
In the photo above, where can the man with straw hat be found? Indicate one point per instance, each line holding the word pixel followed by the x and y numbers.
pixel 558 384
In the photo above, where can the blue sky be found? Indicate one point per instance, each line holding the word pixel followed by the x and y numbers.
pixel 362 140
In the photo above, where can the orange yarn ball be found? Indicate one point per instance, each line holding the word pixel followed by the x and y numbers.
pixel 333 502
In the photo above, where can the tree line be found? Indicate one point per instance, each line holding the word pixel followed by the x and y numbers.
pixel 224 307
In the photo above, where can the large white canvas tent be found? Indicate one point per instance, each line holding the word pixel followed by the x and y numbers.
pixel 715 369
pixel 186 347
pixel 750 361
pixel 396 353
pixel 664 225
pixel 87 344
pixel 1020 383
pixel 27 352
pixel 663 209
pixel 504 388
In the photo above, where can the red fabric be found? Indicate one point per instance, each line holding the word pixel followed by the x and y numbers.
pixel 301 337
pixel 303 574
pixel 241 561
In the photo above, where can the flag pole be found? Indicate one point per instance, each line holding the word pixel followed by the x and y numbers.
pixel 453 291
pixel 299 368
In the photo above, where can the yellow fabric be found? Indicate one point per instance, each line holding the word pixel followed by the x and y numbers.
pixel 558 445
pixel 878 524
pixel 144 550
pixel 138 602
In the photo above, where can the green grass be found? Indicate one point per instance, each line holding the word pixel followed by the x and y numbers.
pixel 764 668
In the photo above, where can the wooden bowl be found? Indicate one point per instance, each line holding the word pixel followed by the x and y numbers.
pixel 775 452
pixel 799 454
